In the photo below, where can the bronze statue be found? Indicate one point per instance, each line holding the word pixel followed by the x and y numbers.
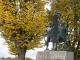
pixel 56 32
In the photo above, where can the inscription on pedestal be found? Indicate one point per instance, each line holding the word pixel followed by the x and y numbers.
pixel 54 55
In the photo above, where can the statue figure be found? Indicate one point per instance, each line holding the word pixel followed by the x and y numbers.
pixel 56 32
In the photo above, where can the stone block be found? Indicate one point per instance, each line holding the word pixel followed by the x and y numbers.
pixel 55 55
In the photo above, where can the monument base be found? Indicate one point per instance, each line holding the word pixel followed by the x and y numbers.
pixel 55 55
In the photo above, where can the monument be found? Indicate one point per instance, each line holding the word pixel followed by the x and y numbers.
pixel 57 32
pixel 54 55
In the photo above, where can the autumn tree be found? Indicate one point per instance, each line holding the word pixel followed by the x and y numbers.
pixel 22 24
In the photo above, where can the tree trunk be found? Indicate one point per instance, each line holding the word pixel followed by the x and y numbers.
pixel 21 54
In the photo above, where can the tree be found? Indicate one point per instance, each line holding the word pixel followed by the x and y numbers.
pixel 22 24
pixel 70 15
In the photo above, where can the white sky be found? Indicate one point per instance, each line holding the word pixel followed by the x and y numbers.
pixel 3 48
pixel 47 6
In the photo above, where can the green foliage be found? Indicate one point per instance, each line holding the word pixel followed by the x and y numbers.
pixel 27 58
pixel 22 29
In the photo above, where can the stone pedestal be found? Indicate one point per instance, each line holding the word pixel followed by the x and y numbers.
pixel 55 55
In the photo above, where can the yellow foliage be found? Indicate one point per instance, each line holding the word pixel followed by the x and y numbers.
pixel 26 27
